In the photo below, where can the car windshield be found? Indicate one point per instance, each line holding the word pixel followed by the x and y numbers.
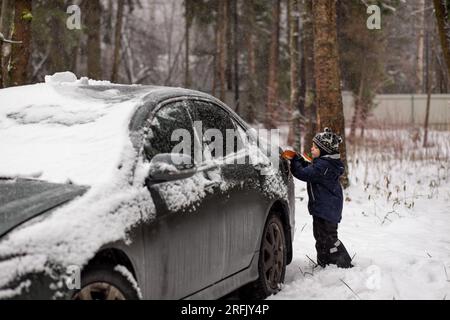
pixel 61 133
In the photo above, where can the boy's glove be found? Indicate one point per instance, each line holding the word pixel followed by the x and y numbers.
pixel 289 155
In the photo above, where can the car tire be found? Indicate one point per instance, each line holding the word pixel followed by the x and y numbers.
pixel 272 261
pixel 103 282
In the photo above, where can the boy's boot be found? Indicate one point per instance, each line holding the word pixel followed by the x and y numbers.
pixel 339 256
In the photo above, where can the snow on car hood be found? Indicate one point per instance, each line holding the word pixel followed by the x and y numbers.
pixel 62 132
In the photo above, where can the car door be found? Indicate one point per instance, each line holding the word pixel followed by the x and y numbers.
pixel 184 245
pixel 246 206
pixel 243 205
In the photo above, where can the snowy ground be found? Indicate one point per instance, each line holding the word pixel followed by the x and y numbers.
pixel 396 221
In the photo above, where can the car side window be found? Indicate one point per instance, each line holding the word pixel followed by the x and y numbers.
pixel 170 131
pixel 213 120
pixel 242 138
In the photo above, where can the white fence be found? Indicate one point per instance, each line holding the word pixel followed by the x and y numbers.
pixel 404 109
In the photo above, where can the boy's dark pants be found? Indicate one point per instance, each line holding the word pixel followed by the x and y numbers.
pixel 330 250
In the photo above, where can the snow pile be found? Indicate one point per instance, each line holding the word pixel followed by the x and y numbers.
pixel 68 78
pixel 61 77
pixel 396 224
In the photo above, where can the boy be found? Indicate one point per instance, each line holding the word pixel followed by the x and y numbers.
pixel 325 196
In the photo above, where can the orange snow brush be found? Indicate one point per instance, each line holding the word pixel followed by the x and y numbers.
pixel 288 154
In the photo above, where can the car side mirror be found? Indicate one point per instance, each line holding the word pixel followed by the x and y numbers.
pixel 170 166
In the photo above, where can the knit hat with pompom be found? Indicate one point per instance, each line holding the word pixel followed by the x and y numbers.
pixel 328 142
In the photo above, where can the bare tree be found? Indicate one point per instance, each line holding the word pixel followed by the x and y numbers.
pixel 272 86
pixel 327 72
pixel 20 54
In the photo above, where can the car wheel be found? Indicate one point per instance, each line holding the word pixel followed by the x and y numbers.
pixel 102 282
pixel 272 260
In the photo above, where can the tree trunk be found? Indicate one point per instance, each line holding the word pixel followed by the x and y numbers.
pixel 20 54
pixel 188 17
pixel 117 41
pixel 358 101
pixel 93 21
pixel 294 31
pixel 221 47
pixel 310 100
pixel 427 117
pixel 229 45
pixel 327 73
pixel 364 113
pixel 429 88
pixel 419 63
pixel 299 120
pixel 249 13
pixel 272 86
pixel 236 55
pixel 3 29
pixel 58 60
pixel 216 54
pixel 442 17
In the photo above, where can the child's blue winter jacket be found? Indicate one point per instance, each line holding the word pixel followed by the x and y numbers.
pixel 324 188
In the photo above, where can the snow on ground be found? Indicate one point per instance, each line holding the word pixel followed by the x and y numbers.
pixel 396 221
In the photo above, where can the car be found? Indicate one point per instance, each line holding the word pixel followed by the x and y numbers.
pixel 99 201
